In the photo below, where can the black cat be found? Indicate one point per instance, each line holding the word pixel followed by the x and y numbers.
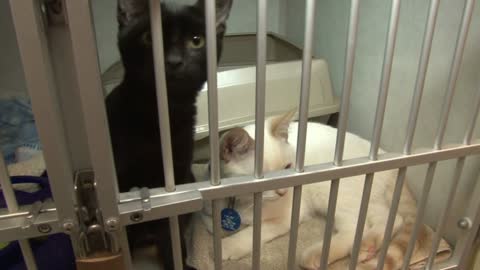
pixel 132 107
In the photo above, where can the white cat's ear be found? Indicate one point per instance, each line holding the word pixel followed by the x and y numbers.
pixel 279 124
pixel 235 144
pixel 223 8
pixel 128 10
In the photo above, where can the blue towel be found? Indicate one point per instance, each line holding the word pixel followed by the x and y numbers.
pixel 17 127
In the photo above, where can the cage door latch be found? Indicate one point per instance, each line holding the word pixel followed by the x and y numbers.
pixel 94 238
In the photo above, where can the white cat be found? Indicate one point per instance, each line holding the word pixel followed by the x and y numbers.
pixel 237 153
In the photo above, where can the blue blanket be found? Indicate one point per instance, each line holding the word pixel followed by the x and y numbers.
pixel 17 127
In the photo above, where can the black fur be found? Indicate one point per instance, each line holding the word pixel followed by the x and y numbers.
pixel 132 107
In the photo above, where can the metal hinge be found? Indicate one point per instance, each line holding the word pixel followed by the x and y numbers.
pixel 94 237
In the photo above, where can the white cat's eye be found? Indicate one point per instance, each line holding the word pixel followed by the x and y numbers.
pixel 288 166
pixel 196 42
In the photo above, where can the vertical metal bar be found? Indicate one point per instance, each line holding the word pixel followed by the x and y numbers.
pixel 27 253
pixel 93 104
pixel 42 91
pixel 162 96
pixel 378 125
pixel 12 207
pixel 164 122
pixel 362 216
pixel 455 69
pixel 302 130
pixel 471 127
pixel 7 189
pixel 387 237
pixel 257 230
pixel 463 246
pixel 342 128
pixel 420 214
pixel 294 222
pixel 347 81
pixel 412 123
pixel 385 81
pixel 38 71
pixel 327 238
pixel 305 85
pixel 260 86
pixel 176 243
pixel 210 16
pixel 92 98
pixel 376 136
pixel 446 212
pixel 217 235
pixel 259 126
pixel 421 74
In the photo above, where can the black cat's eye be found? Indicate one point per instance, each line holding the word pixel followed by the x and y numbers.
pixel 289 165
pixel 147 38
pixel 196 42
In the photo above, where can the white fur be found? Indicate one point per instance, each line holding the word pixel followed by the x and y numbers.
pixel 320 147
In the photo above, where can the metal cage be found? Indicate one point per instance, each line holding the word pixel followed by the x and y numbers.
pixel 70 114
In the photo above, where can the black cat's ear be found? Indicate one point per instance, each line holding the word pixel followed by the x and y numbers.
pixel 223 8
pixel 129 10
pixel 235 144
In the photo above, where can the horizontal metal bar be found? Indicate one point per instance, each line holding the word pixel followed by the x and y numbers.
pixel 161 207
pixel 25 213
pixel 162 96
pixel 313 174
pixel 12 229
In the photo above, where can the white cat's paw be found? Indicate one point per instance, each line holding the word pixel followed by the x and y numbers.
pixel 369 247
pixel 232 249
pixel 311 258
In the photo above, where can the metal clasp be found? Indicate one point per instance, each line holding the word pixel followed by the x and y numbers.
pixel 93 235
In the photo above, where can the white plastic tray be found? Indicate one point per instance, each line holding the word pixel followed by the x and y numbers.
pixel 236 94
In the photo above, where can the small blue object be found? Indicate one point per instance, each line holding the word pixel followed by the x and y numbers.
pixel 231 220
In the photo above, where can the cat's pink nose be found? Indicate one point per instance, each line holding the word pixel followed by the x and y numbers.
pixel 281 191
